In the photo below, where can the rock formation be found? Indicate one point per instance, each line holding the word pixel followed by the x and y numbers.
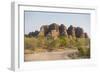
pixel 71 31
pixel 54 30
pixel 62 30
pixel 79 32
pixel 53 26
pixel 34 34
pixel 44 29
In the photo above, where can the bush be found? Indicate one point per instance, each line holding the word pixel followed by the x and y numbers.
pixel 82 42
pixel 84 52
pixel 41 41
pixel 51 44
pixel 60 43
pixel 72 41
pixel 63 41
pixel 81 51
pixel 30 43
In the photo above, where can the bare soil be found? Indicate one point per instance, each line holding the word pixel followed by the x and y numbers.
pixel 67 54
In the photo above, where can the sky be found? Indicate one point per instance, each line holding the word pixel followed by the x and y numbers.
pixel 34 20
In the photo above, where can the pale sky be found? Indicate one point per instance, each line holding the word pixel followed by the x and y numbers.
pixel 34 20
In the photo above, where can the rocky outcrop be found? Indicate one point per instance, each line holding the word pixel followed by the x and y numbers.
pixel 71 31
pixel 34 34
pixel 44 29
pixel 53 26
pixel 54 30
pixel 50 30
pixel 79 32
pixel 76 32
pixel 62 30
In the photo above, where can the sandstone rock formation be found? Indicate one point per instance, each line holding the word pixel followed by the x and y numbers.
pixel 54 30
pixel 44 29
pixel 62 30
pixel 53 26
pixel 79 32
pixel 71 31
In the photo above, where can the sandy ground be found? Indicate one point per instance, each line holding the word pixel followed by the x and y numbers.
pixel 50 55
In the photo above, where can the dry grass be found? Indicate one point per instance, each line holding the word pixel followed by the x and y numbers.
pixel 28 51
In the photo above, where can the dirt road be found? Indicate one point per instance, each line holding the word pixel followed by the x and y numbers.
pixel 51 55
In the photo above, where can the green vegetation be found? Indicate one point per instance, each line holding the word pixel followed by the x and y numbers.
pixel 83 45
pixel 30 43
pixel 84 52
pixel 43 44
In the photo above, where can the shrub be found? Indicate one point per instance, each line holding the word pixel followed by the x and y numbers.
pixel 84 52
pixel 83 42
pixel 41 41
pixel 64 41
pixel 81 51
pixel 72 41
pixel 30 43
pixel 55 43
pixel 60 42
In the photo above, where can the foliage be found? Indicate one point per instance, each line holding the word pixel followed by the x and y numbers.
pixel 64 41
pixel 72 41
pixel 41 40
pixel 30 43
pixel 52 44
pixel 84 52
pixel 83 46
pixel 42 44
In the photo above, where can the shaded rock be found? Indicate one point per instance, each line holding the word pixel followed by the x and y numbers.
pixel 31 34
pixel 62 30
pixel 71 31
pixel 79 32
pixel 34 34
pixel 54 30
pixel 45 29
pixel 53 26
